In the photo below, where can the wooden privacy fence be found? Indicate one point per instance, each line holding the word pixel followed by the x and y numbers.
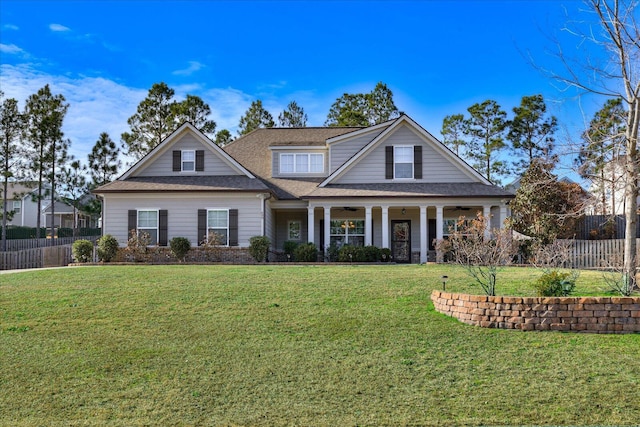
pixel 22 244
pixel 597 253
pixel 54 256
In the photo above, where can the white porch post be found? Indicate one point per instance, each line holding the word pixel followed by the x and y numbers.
pixel 487 215
pixel 327 228
pixel 367 225
pixel 439 228
pixel 424 234
pixel 503 214
pixel 310 225
pixel 385 227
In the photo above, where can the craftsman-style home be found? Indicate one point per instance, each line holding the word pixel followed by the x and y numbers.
pixel 391 185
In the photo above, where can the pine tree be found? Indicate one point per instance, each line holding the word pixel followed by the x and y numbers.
pixel 254 118
pixel 104 162
pixel 195 111
pixel 223 137
pixel 293 117
pixel 363 109
pixel 453 131
pixel 486 126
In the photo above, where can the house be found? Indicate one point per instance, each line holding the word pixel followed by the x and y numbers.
pixel 390 185
pixel 22 201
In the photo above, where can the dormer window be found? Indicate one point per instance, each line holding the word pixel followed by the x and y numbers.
pixel 301 163
pixel 188 160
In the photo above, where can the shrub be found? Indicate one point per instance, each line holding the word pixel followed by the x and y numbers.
pixel 180 246
pixel 555 284
pixel 385 254
pixel 137 244
pixel 259 247
pixel 82 250
pixel 371 253
pixel 306 252
pixel 107 248
pixel 289 248
pixel 332 252
pixel 349 253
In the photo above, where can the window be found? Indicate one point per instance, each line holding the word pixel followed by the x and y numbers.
pixel 17 206
pixel 347 231
pixel 302 163
pixel 188 160
pixel 294 230
pixel 148 223
pixel 452 225
pixel 218 223
pixel 403 161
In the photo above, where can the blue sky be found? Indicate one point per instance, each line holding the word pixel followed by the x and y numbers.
pixel 438 57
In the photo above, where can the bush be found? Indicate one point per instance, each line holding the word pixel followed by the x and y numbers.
pixel 107 248
pixel 259 247
pixel 371 253
pixel 349 253
pixel 332 252
pixel 289 248
pixel 306 252
pixel 180 246
pixel 82 250
pixel 555 284
pixel 385 255
pixel 137 246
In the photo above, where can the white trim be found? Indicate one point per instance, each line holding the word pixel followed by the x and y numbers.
pixel 156 228
pixel 295 162
pixel 173 138
pixel 426 136
pixel 182 160
pixel 298 147
pixel 218 228
pixel 410 147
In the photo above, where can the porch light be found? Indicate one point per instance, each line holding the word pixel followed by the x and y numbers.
pixel 444 282
pixel 404 211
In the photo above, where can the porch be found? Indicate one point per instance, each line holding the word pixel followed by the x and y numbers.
pixel 408 230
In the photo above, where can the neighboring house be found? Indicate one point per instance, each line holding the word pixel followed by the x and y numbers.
pixel 25 208
pixel 390 185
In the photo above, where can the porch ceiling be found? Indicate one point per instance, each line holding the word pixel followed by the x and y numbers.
pixel 411 189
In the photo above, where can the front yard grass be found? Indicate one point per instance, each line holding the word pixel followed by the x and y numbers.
pixel 293 345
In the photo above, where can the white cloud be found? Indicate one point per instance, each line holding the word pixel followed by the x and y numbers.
pixel 58 28
pixel 10 48
pixel 192 68
pixel 10 27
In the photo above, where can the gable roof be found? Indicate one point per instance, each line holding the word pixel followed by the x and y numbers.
pixel 404 119
pixel 174 137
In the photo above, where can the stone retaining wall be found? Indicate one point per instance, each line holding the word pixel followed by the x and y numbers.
pixel 605 315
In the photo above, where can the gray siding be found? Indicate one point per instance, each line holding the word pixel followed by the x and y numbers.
pixel 344 150
pixel 435 166
pixel 282 226
pixel 275 162
pixel 183 213
pixel 163 164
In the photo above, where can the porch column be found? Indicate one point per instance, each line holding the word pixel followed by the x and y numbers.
pixel 310 225
pixel 424 235
pixel 503 214
pixel 327 228
pixel 487 215
pixel 439 227
pixel 367 226
pixel 385 227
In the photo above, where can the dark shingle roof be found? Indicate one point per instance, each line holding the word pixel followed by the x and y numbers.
pixel 183 183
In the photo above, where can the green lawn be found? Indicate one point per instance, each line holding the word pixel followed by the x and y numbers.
pixel 292 345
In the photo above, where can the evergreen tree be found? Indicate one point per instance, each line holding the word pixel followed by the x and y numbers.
pixel 363 109
pixel 103 160
pixel 531 131
pixel 293 117
pixel 602 152
pixel 153 121
pixel 223 137
pixel 486 126
pixel 453 131
pixel 73 185
pixel 254 118
pixel 11 126
pixel 44 114
pixel 195 111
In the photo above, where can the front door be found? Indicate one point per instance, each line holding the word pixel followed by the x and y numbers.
pixel 401 241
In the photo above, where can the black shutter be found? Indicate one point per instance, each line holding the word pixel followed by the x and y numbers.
pixel 233 227
pixel 163 227
pixel 177 161
pixel 202 226
pixel 133 221
pixel 388 151
pixel 417 161
pixel 199 160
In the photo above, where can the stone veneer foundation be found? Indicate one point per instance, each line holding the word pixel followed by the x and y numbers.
pixel 604 315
